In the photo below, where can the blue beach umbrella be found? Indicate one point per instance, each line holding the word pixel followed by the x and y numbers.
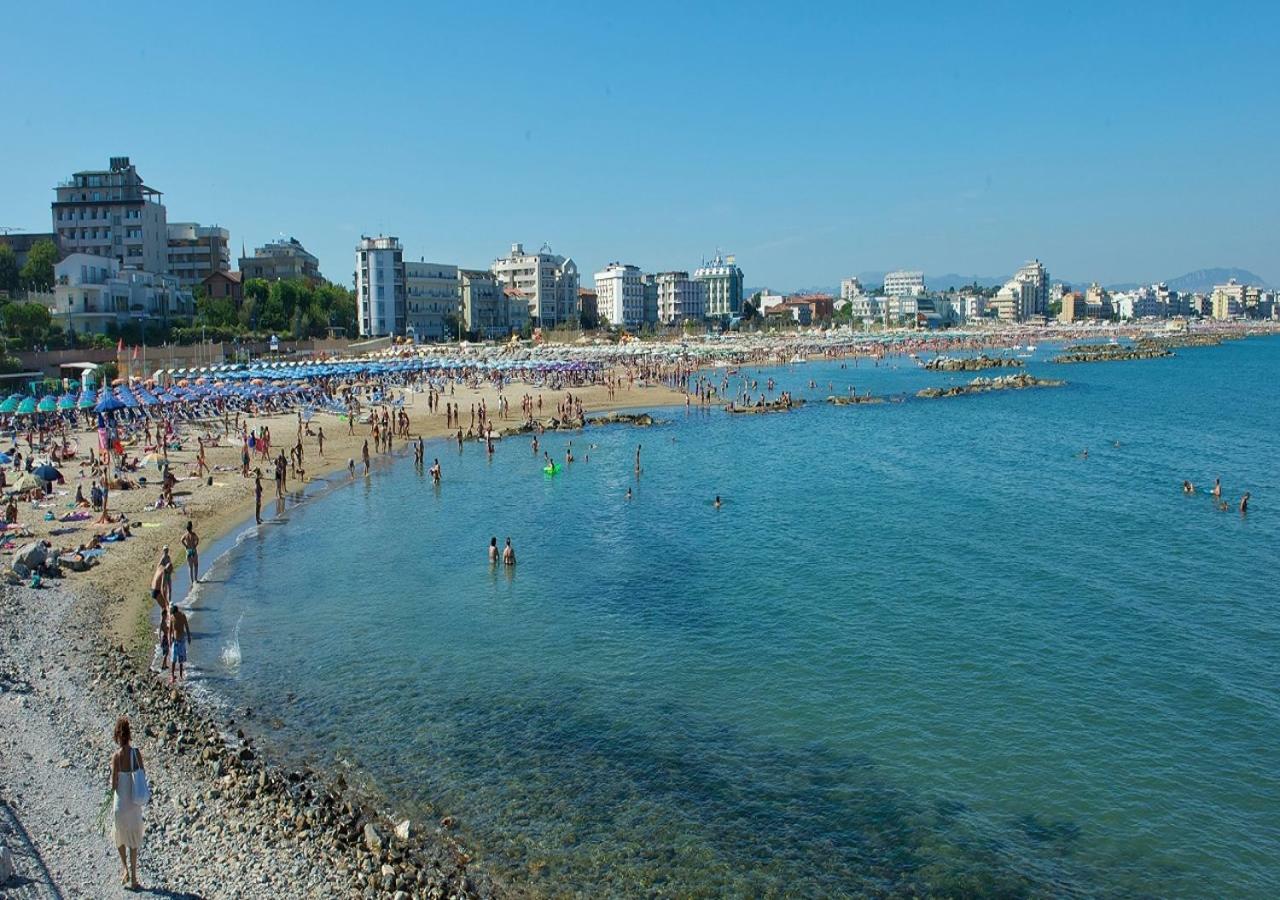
pixel 27 407
pixel 109 403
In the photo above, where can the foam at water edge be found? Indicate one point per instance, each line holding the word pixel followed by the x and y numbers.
pixel 231 649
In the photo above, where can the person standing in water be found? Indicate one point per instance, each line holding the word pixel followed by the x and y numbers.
pixel 637 459
pixel 191 541
pixel 508 554
pixel 181 630
pixel 435 470
pixel 1217 489
pixel 257 496
pixel 717 501
pixel 493 549
pixel 1244 503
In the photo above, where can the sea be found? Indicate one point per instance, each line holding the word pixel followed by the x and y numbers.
pixel 971 646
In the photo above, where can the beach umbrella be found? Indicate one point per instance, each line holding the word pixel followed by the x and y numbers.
pixel 48 404
pixel 27 407
pixel 66 402
pixel 10 403
pixel 109 403
pixel 46 472
pixel 27 482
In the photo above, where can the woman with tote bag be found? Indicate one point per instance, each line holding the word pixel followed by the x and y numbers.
pixel 130 792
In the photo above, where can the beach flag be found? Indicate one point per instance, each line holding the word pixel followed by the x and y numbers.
pixel 135 352
pixel 120 345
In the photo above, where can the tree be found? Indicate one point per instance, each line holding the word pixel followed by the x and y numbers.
pixel 27 321
pixel 9 277
pixel 37 272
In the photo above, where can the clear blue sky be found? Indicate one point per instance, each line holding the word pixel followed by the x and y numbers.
pixel 1117 141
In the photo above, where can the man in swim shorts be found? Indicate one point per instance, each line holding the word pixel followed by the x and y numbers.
pixel 181 631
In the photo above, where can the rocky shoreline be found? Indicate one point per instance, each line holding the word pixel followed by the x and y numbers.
pixel 1083 353
pixel 980 385
pixel 855 400
pixel 972 363
pixel 771 406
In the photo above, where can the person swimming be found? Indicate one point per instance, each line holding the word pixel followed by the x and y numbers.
pixel 628 493
pixel 717 501
pixel 1188 487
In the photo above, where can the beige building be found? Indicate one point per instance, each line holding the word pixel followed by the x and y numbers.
pixel 197 251
pixel 549 281
pixel 680 298
pixel 431 298
pixel 1228 300
pixel 487 310
pixel 111 213
pixel 280 260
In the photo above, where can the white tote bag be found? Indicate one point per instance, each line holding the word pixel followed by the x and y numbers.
pixel 141 790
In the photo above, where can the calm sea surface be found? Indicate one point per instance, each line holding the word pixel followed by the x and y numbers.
pixel 923 647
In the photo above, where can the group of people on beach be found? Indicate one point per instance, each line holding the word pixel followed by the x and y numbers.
pixel 173 635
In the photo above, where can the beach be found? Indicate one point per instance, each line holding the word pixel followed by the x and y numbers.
pixel 75 656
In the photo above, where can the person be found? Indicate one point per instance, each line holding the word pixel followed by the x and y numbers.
pixel 351 467
pixel 257 495
pixel 181 630
pixel 364 455
pixel 320 440
pixel 435 470
pixel 163 633
pixel 637 459
pixel 1217 488
pixel 1188 487
pixel 191 541
pixel 628 493
pixel 1244 503
pixel 717 501
pixel 127 830
pixel 493 549
pixel 508 554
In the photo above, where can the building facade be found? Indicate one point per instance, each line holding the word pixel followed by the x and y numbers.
pixel 620 294
pixel 431 298
pixel 1228 300
pixel 93 293
pixel 680 298
pixel 850 288
pixel 280 260
pixel 1035 274
pixel 903 284
pixel 549 281
pixel 224 286
pixel 724 283
pixel 486 309
pixel 1015 301
pixel 112 213
pixel 197 251
pixel 380 287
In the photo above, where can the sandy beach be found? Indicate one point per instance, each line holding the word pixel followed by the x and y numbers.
pixel 223 821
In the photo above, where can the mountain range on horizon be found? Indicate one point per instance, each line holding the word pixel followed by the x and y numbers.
pixel 1201 281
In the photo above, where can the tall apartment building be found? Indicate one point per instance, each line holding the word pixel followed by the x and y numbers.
pixel 620 295
pixel 431 294
pixel 1015 301
pixel 724 282
pixel 380 287
pixel 280 260
pixel 487 311
pixel 650 299
pixel 112 213
pixel 680 298
pixel 549 281
pixel 850 288
pixel 197 251
pixel 903 284
pixel 1035 274
pixel 1228 300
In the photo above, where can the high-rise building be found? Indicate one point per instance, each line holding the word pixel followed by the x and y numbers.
pixel 850 288
pixel 903 284
pixel 1228 300
pixel 112 213
pixel 380 288
pixel 650 299
pixel 620 295
pixel 197 251
pixel 549 281
pixel 724 282
pixel 680 298
pixel 280 260
pixel 1035 274
pixel 431 296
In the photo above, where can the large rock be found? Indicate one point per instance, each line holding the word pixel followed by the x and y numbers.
pixel 6 865
pixel 372 840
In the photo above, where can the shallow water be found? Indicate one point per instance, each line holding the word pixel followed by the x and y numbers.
pixel 923 647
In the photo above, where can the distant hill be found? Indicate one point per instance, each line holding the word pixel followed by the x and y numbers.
pixel 1202 281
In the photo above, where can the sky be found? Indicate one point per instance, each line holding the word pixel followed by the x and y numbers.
pixel 1114 141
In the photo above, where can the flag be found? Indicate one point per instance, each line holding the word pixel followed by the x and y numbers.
pixel 120 345
pixel 135 352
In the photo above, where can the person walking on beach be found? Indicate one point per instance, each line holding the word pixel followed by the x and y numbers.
pixel 127 826
pixel 320 439
pixel 180 629
pixel 164 574
pixel 257 496
pixel 191 541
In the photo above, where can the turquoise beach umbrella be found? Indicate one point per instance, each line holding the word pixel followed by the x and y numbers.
pixel 48 404
pixel 10 403
pixel 27 407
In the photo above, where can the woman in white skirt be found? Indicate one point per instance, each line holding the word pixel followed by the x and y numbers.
pixel 127 831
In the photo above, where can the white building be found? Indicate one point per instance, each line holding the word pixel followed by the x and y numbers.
pixel 1035 274
pixel 549 281
pixel 197 251
pixel 1015 302
pixel 620 295
pixel 486 309
pixel 865 306
pixel 93 292
pixel 972 306
pixel 724 283
pixel 680 298
pixel 431 295
pixel 850 288
pixel 111 212
pixel 380 288
pixel 903 284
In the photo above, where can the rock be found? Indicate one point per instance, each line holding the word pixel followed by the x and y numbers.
pixel 372 839
pixel 402 830
pixel 6 864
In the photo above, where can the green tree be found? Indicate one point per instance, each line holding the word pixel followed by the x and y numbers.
pixel 216 312
pixel 37 272
pixel 9 277
pixel 28 322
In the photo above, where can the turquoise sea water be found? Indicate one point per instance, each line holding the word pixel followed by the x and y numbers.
pixel 923 647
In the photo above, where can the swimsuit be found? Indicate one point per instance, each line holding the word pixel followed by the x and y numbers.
pixel 180 651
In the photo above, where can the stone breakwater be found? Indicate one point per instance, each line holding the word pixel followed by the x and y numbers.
pixel 855 400
pixel 1112 352
pixel 341 838
pixel 981 385
pixel 771 406
pixel 972 363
